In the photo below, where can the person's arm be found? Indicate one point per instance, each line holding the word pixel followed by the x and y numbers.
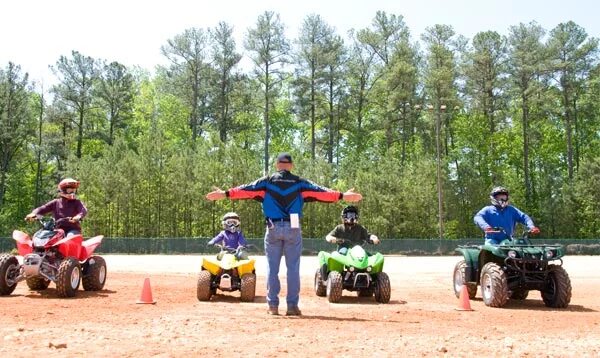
pixel 368 237
pixel 42 210
pixel 480 221
pixel 314 192
pixel 82 211
pixel 242 240
pixel 332 236
pixel 215 240
pixel 255 190
pixel 523 218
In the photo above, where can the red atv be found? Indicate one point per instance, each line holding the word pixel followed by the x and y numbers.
pixel 50 256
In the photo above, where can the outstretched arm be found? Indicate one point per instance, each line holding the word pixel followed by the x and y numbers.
pixel 216 194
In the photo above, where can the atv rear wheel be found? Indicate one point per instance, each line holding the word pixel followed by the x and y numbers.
pixel 94 274
pixel 557 293
pixel 320 288
pixel 519 294
pixel 494 287
pixel 37 283
pixel 334 287
pixel 203 290
pixel 9 269
pixel 460 279
pixel 248 287
pixel 68 278
pixel 383 290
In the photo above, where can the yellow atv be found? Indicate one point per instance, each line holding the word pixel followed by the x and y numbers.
pixel 230 270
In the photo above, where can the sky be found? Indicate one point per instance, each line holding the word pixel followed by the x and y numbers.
pixel 35 33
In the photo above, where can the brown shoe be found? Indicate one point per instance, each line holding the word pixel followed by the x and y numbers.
pixel 293 311
pixel 273 310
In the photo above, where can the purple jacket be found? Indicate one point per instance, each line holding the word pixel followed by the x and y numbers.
pixel 230 239
pixel 63 208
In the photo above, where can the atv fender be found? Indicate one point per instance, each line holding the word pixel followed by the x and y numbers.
pixel 471 256
pixel 70 246
pixel 245 266
pixel 376 262
pixel 24 244
pixel 88 247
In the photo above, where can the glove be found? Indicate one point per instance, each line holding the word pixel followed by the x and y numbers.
pixel 210 244
pixel 331 239
pixel 534 230
pixel 374 239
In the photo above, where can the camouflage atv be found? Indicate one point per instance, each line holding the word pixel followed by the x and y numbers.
pixel 512 269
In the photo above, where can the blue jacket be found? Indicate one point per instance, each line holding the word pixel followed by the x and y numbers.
pixel 507 218
pixel 283 193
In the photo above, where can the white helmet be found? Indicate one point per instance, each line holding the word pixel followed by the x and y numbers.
pixel 231 222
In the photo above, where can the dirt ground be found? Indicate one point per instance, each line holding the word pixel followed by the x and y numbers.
pixel 420 319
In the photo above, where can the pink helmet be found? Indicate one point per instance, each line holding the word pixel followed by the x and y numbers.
pixel 66 184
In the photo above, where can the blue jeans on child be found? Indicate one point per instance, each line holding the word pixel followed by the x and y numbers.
pixel 282 240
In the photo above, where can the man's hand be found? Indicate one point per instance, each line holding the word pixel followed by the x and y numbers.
pixel 30 217
pixel 374 239
pixel 490 229
pixel 216 194
pixel 331 239
pixel 351 196
pixel 75 218
pixel 534 230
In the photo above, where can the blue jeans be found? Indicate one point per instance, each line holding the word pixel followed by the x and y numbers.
pixel 282 240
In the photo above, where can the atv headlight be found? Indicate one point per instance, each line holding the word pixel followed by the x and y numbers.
pixel 369 268
pixel 351 268
pixel 549 254
pixel 512 254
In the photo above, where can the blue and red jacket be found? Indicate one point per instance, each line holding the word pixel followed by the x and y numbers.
pixel 283 193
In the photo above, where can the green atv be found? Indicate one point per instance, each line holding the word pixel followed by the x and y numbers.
pixel 511 269
pixel 354 271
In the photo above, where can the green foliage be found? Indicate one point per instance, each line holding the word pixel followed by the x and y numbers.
pixel 519 110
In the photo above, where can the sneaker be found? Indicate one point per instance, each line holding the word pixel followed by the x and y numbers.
pixel 293 311
pixel 273 310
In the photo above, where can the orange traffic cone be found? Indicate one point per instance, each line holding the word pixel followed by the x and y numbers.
pixel 464 304
pixel 146 293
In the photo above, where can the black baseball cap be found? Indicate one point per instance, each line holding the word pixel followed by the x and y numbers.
pixel 284 158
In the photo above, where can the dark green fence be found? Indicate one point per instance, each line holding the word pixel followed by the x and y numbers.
pixel 119 245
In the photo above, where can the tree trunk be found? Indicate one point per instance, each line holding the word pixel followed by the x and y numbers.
pixel 525 110
pixel 266 119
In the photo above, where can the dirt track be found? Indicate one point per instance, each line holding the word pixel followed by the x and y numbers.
pixel 420 320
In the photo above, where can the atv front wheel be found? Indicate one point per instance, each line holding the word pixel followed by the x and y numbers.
pixel 557 293
pixel 68 278
pixel 383 290
pixel 9 269
pixel 94 274
pixel 494 287
pixel 248 287
pixel 334 287
pixel 37 283
pixel 203 290
pixel 460 279
pixel 320 288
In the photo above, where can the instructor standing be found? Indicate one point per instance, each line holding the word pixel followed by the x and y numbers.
pixel 283 195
